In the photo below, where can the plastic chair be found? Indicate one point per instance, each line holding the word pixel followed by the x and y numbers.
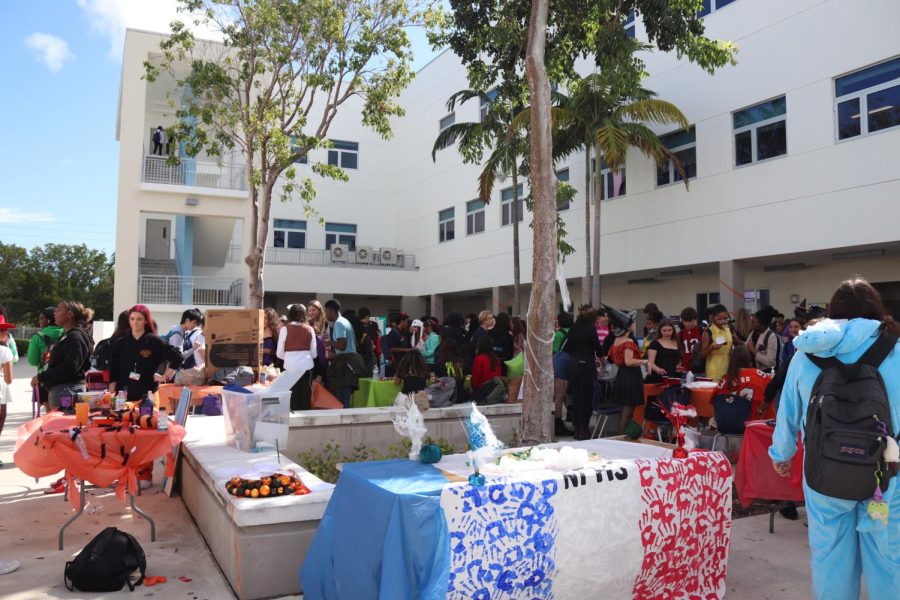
pixel 603 413
pixel 668 397
pixel 731 412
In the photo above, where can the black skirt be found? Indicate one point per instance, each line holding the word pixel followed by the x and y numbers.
pixel 628 388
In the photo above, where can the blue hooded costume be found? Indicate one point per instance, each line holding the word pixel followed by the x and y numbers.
pixel 844 541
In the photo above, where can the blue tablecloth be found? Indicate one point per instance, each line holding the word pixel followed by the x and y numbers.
pixel 383 535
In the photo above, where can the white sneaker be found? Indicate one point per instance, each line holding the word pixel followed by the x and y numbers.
pixel 8 566
pixel 145 484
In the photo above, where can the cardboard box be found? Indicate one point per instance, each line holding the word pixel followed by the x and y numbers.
pixel 233 339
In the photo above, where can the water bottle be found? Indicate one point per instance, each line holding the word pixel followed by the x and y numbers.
pixel 121 399
pixel 147 405
pixel 690 378
pixel 375 372
pixel 262 377
pixel 162 421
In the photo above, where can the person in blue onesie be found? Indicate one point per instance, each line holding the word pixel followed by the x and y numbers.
pixel 845 542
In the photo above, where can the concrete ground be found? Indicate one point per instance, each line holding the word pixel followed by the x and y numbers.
pixel 761 566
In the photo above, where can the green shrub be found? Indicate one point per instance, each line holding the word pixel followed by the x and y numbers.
pixel 323 462
pixel 22 346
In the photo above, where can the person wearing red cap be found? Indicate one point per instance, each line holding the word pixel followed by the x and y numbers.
pixel 137 355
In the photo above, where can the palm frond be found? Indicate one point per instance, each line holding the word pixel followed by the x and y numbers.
pixel 652 110
pixel 612 144
pixel 493 167
pixel 461 97
pixel 464 133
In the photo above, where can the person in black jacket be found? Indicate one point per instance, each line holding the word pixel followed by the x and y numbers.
pixel 70 357
pixel 504 342
pixel 583 347
pixel 137 354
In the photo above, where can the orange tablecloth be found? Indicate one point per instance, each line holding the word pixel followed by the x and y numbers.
pixel 169 394
pixel 755 477
pixel 45 447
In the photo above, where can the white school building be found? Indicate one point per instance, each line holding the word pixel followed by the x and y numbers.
pixel 792 157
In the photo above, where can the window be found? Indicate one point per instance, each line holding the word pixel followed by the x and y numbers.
pixel 302 160
pixel 506 205
pixel 447 122
pixel 340 233
pixel 683 144
pixel 486 101
pixel 873 92
pixel 612 184
pixel 562 176
pixel 344 154
pixel 755 300
pixel 760 132
pixel 710 6
pixel 446 225
pixel 629 24
pixel 706 300
pixel 474 217
pixel 289 234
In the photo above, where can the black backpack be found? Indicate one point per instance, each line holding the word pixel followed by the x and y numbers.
pixel 844 444
pixel 190 362
pixel 106 563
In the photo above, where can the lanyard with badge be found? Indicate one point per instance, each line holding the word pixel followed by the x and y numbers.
pixel 135 375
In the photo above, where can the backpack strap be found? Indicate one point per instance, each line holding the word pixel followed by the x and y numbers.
pixel 878 351
pixel 141 557
pixel 822 362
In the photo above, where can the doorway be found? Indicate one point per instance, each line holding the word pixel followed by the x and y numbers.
pixel 156 244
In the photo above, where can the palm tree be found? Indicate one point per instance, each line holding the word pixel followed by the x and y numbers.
pixel 507 146
pixel 597 117
pixel 611 123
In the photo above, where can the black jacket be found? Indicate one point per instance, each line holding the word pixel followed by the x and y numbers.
pixel 69 360
pixel 143 356
pixel 582 342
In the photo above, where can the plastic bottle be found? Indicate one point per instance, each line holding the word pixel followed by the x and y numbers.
pixel 262 377
pixel 147 405
pixel 162 420
pixel 690 378
pixel 121 399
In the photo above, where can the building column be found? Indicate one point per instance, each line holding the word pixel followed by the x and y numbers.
pixel 731 284
pixel 495 300
pixel 414 306
pixel 437 306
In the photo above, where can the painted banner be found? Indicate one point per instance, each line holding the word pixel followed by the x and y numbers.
pixel 655 528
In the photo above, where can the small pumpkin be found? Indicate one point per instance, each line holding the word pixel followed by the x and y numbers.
pixel 430 454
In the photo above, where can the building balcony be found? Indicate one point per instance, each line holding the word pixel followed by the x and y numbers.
pixel 191 291
pixel 195 173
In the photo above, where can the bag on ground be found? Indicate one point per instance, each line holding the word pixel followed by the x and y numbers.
pixel 442 392
pixel 106 563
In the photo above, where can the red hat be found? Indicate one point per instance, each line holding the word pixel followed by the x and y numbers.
pixel 146 312
pixel 5 325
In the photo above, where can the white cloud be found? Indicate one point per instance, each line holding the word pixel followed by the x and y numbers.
pixel 110 18
pixel 51 50
pixel 15 215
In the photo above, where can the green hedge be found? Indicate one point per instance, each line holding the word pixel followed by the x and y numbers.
pixel 22 345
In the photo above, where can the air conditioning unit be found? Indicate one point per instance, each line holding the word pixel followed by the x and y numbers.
pixel 389 256
pixel 339 253
pixel 365 254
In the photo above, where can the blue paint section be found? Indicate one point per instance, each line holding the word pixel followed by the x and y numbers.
pixel 184 253
pixel 502 546
pixel 383 535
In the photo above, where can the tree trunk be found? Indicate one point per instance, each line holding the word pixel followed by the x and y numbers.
pixel 586 280
pixel 256 259
pixel 537 419
pixel 517 307
pixel 598 187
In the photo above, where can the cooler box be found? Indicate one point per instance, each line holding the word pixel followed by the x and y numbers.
pixel 261 417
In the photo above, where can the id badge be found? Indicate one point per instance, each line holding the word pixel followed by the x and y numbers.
pixel 134 376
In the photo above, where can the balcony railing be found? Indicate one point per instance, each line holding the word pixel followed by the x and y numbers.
pixel 325 258
pixel 234 254
pixel 193 172
pixel 193 291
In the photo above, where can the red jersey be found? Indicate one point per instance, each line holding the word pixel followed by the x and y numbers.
pixel 752 384
pixel 689 339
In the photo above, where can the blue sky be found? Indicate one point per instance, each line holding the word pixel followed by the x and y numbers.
pixel 60 72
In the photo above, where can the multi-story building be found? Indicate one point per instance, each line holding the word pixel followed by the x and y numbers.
pixel 792 160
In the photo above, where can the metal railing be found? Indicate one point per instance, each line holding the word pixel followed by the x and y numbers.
pixel 194 172
pixel 325 258
pixel 204 291
pixel 234 254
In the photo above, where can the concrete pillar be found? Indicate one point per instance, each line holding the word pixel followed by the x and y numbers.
pixel 731 284
pixel 414 306
pixel 495 300
pixel 437 306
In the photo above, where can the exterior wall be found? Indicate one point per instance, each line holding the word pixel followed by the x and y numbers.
pixel 759 213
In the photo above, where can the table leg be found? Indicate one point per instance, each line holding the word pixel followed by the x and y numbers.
pixel 75 516
pixel 136 509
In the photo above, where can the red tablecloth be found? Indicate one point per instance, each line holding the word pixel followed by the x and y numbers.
pixel 45 447
pixel 755 477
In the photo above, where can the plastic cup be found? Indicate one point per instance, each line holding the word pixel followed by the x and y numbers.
pixel 82 410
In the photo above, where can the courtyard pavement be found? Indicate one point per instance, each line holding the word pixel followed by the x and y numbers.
pixel 760 566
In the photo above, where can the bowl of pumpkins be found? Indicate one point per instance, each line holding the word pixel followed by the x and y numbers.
pixel 276 484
